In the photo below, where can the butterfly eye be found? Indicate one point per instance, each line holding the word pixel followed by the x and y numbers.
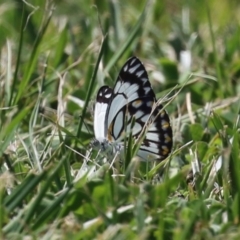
pixel 132 97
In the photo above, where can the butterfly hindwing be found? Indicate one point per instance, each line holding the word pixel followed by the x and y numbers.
pixel 157 143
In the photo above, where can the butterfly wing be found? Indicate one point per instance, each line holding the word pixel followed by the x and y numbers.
pixel 157 143
pixel 103 97
pixel 132 96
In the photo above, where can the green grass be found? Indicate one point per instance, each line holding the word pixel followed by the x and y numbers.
pixel 54 57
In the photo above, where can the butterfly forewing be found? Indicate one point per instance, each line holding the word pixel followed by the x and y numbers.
pixel 103 98
pixel 132 84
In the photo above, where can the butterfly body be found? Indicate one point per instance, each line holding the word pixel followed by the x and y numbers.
pixel 131 107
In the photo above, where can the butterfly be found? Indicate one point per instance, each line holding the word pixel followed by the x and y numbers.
pixel 131 107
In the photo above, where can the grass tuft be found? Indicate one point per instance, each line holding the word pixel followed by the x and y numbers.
pixel 54 57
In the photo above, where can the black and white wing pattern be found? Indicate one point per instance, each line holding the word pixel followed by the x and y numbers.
pixel 132 99
pixel 101 105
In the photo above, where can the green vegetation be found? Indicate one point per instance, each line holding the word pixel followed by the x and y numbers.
pixel 53 58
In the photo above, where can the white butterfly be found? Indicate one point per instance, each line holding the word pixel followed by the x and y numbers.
pixel 129 107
